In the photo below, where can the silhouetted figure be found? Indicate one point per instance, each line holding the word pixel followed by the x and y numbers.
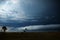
pixel 4 28
pixel 25 30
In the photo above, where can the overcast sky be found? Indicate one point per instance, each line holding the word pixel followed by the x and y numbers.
pixel 21 13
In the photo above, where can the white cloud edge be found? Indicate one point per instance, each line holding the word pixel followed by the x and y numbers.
pixel 32 27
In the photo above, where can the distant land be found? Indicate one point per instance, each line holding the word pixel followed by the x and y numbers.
pixel 30 36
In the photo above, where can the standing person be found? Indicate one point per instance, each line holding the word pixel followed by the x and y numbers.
pixel 4 28
pixel 25 30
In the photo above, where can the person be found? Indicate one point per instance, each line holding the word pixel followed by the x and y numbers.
pixel 4 28
pixel 25 30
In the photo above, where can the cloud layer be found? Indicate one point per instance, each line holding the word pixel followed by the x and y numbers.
pixel 19 14
pixel 11 10
pixel 27 10
pixel 34 28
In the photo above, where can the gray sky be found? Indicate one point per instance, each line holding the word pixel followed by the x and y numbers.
pixel 20 13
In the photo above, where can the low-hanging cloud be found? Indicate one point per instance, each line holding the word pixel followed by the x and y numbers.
pixel 31 27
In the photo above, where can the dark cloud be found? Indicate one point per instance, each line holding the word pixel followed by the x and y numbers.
pixel 35 28
pixel 35 12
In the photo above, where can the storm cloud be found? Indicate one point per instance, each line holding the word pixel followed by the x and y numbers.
pixel 21 13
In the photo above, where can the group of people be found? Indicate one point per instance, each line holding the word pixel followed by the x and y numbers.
pixel 4 28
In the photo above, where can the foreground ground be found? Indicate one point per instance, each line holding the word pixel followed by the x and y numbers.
pixel 30 36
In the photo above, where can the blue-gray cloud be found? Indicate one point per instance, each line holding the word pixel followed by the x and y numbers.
pixel 35 28
pixel 29 12
pixel 2 1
